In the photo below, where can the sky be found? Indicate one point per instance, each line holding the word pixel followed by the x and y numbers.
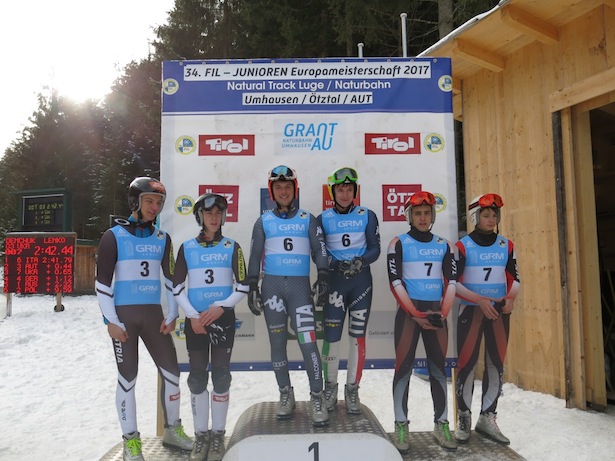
pixel 58 377
pixel 75 46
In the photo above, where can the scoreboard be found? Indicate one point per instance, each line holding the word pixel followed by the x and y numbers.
pixel 43 212
pixel 39 262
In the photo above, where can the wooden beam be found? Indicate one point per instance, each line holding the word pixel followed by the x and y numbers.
pixel 527 24
pixel 610 3
pixel 571 284
pixel 587 257
pixel 581 91
pixel 458 107
pixel 456 86
pixel 478 55
pixel 560 202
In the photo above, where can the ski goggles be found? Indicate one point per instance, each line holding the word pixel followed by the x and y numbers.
pixel 282 172
pixel 214 200
pixel 489 201
pixel 344 175
pixel 421 198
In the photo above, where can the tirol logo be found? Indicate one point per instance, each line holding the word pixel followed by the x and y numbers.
pixel 226 144
pixel 311 137
pixel 392 143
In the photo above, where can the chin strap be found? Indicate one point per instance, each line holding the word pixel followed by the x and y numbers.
pixel 341 210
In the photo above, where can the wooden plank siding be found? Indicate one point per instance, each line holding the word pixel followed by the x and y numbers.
pixel 517 65
pixel 85 269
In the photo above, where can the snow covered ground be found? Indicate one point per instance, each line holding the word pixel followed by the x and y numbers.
pixel 57 392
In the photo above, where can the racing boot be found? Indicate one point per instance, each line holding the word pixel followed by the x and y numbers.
pixel 464 425
pixel 132 447
pixel 400 436
pixel 286 406
pixel 200 447
pixel 487 426
pixel 330 395
pixel 442 436
pixel 320 415
pixel 216 446
pixel 351 395
pixel 175 437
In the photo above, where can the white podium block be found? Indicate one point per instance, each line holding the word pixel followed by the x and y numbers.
pixel 259 435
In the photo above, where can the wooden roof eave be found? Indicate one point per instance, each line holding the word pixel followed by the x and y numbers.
pixel 509 27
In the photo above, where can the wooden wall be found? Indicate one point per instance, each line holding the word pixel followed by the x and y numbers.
pixel 85 268
pixel 508 148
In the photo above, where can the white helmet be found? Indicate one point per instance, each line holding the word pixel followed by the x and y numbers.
pixel 484 201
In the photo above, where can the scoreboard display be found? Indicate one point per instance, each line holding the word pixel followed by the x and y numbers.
pixel 39 262
pixel 43 212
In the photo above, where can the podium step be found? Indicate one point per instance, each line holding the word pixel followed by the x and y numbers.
pixel 259 435
pixel 424 448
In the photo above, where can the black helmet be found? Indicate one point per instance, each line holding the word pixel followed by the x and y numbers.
pixel 144 185
pixel 207 202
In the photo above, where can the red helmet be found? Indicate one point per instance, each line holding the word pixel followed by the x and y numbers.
pixel 484 201
pixel 421 197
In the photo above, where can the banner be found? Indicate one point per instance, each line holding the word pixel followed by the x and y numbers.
pixel 225 124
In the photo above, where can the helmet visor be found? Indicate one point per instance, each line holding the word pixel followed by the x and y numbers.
pixel 282 173
pixel 215 201
pixel 422 198
pixel 344 175
pixel 488 201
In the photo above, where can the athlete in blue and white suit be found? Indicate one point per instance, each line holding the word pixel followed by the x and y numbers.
pixel 352 237
pixel 131 256
pixel 488 285
pixel 212 268
pixel 422 275
pixel 283 239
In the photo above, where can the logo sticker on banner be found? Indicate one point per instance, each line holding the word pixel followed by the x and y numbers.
pixel 185 145
pixel 388 143
pixel 241 144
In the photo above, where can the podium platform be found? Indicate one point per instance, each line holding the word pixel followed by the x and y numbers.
pixel 259 435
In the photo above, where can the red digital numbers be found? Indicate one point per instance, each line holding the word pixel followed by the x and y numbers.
pixel 39 263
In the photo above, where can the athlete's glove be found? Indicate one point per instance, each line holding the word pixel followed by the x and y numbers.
pixel 499 305
pixel 254 300
pixel 355 267
pixel 321 287
pixel 341 267
pixel 349 269
pixel 435 320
